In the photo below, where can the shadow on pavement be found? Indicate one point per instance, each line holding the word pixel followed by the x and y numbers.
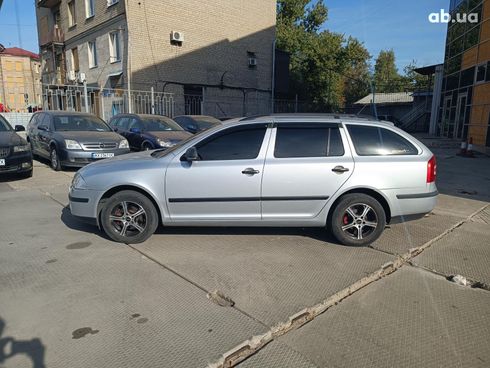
pixel 77 224
pixel 10 347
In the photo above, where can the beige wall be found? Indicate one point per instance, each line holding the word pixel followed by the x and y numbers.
pixel 217 36
pixel 19 75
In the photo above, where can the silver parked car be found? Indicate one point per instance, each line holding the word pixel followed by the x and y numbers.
pixel 350 175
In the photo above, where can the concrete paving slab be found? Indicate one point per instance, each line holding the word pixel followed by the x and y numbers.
pixel 466 252
pixel 456 206
pixel 269 273
pixel 70 298
pixel 411 318
pixel 277 355
pixel 399 238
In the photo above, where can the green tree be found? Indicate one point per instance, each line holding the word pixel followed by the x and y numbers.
pixel 321 61
pixel 386 74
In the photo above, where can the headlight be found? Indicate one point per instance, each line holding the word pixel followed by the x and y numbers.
pixel 124 144
pixel 165 144
pixel 78 182
pixel 71 144
pixel 22 148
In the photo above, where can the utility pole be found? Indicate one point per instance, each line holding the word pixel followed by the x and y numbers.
pixel 373 91
pixel 273 87
pixel 130 103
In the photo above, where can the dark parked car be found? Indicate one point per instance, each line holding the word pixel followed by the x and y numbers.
pixel 15 153
pixel 73 138
pixel 147 132
pixel 196 123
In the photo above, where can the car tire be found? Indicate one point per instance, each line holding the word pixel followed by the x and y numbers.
pixel 357 220
pixel 119 221
pixel 54 159
pixel 146 146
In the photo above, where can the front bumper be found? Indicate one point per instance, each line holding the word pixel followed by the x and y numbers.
pixel 17 163
pixel 79 158
pixel 83 203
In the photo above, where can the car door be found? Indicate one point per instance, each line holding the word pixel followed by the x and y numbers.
pixel 225 183
pixel 305 165
pixel 44 131
pixel 136 139
pixel 32 130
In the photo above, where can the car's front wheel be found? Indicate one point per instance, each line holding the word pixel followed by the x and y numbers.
pixel 129 217
pixel 358 220
pixel 55 159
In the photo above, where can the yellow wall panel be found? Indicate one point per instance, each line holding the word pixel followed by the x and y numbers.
pixel 484 52
pixel 469 58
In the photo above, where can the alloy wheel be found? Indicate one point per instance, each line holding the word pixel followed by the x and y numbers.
pixel 359 221
pixel 128 219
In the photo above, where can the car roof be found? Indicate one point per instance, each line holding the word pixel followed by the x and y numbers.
pixel 65 113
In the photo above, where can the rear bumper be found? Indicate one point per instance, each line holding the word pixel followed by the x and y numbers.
pixel 411 202
pixel 79 158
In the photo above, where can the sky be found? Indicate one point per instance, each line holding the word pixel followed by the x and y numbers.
pixel 401 25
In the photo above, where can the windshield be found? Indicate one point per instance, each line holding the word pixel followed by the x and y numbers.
pixel 79 123
pixel 206 122
pixel 159 124
pixel 4 125
pixel 163 152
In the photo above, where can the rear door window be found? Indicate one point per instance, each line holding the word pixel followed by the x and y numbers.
pixel 376 141
pixel 308 141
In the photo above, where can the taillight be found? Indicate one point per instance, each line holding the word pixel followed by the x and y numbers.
pixel 431 170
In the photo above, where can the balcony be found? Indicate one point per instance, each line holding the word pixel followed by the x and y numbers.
pixel 55 37
pixel 47 3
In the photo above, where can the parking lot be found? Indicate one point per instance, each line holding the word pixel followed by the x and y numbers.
pixel 197 297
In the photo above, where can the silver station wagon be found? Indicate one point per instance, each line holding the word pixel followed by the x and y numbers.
pixel 346 174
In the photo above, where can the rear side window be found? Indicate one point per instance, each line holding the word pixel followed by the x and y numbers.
pixel 233 144
pixel 308 142
pixel 375 141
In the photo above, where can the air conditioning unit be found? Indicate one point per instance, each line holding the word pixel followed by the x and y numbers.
pixel 82 77
pixel 72 76
pixel 252 62
pixel 177 36
pixel 111 2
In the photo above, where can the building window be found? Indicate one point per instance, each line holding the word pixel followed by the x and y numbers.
pixel 75 64
pixel 480 72
pixel 92 54
pixel 89 8
pixel 72 20
pixel 252 60
pixel 9 66
pixel 18 66
pixel 114 49
pixel 111 2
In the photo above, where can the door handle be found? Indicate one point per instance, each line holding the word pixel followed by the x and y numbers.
pixel 340 169
pixel 250 171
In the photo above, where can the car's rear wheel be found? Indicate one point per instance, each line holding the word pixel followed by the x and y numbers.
pixel 358 220
pixel 129 217
pixel 55 159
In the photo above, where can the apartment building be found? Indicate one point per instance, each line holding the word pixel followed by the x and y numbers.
pixel 19 79
pixel 218 53
pixel 465 99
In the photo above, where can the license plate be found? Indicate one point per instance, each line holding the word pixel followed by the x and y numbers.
pixel 102 155
pixel 2 162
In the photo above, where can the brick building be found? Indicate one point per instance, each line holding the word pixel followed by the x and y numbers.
pixel 465 99
pixel 215 57
pixel 19 79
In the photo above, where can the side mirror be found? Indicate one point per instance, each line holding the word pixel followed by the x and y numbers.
pixel 20 128
pixel 190 155
pixel 135 130
pixel 192 128
pixel 43 127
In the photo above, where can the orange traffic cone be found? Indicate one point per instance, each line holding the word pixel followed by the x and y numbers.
pixel 462 150
pixel 469 151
